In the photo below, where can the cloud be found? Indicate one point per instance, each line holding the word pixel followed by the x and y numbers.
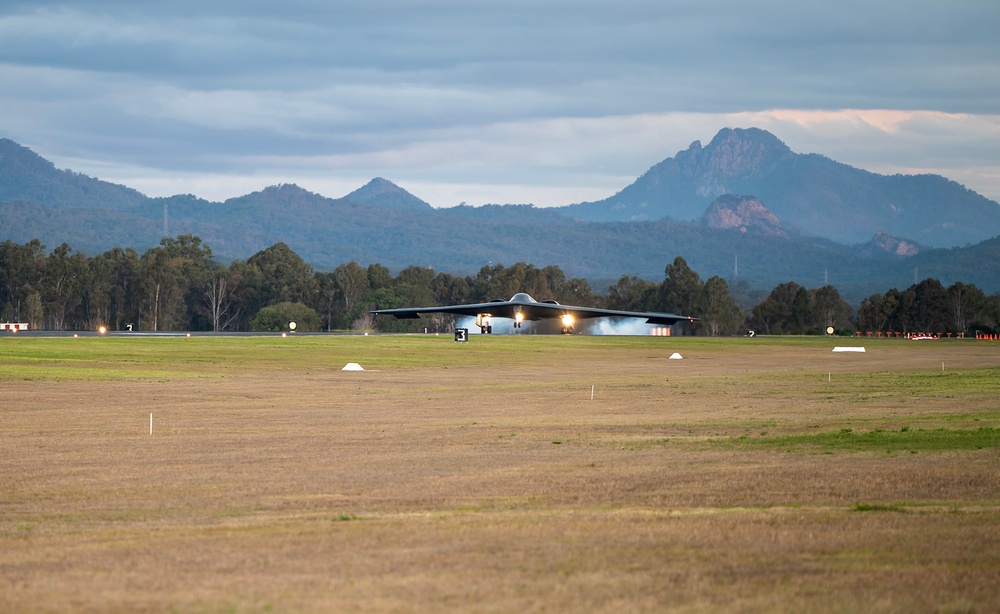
pixel 548 102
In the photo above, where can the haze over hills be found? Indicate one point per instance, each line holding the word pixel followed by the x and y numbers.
pixel 686 205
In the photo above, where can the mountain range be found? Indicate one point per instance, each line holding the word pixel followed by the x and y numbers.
pixel 811 194
pixel 744 205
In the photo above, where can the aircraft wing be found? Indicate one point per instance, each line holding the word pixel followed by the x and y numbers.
pixel 529 309
pixel 651 317
pixel 496 309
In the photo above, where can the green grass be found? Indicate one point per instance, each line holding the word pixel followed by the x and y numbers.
pixel 154 358
pixel 867 385
pixel 903 440
pixel 877 507
pixel 862 386
pixel 157 358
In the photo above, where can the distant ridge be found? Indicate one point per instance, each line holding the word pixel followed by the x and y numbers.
pixel 26 176
pixel 283 195
pixel 384 193
pixel 808 192
pixel 382 223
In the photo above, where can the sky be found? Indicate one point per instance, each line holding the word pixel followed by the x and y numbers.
pixel 548 102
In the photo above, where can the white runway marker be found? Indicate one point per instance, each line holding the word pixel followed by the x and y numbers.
pixel 151 423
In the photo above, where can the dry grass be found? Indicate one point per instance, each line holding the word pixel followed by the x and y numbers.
pixel 274 481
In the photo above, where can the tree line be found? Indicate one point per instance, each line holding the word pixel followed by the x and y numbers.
pixel 178 285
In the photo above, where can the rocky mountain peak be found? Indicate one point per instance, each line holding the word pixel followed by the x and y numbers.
pixel 884 244
pixel 738 152
pixel 745 213
pixel 735 155
pixel 809 192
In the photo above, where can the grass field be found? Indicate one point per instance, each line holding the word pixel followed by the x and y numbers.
pixel 510 473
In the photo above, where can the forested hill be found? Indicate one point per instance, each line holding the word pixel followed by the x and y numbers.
pixel 382 223
pixel 809 193
pixel 26 176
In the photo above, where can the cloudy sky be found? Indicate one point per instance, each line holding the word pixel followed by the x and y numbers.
pixel 548 102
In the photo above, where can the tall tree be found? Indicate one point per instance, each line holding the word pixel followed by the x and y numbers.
pixel 244 293
pixel 829 308
pixel 680 290
pixel 632 293
pixel 162 294
pixel 326 299
pixel 378 277
pixel 352 280
pixel 95 288
pixel 449 290
pixel 903 315
pixel 990 315
pixel 509 281
pixel 20 274
pixel 415 276
pixel 484 284
pixel 278 274
pixel 219 300
pixel 124 293
pixel 414 286
pixel 62 275
pixel 34 313
pixel 576 291
pixel 875 312
pixel 193 258
pixel 172 280
pixel 784 311
pixel 555 279
pixel 718 312
pixel 966 303
pixel 930 306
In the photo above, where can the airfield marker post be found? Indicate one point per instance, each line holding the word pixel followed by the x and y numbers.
pixel 150 423
pixel 591 392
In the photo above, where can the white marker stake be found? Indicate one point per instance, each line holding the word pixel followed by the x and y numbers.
pixel 150 423
pixel 592 393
